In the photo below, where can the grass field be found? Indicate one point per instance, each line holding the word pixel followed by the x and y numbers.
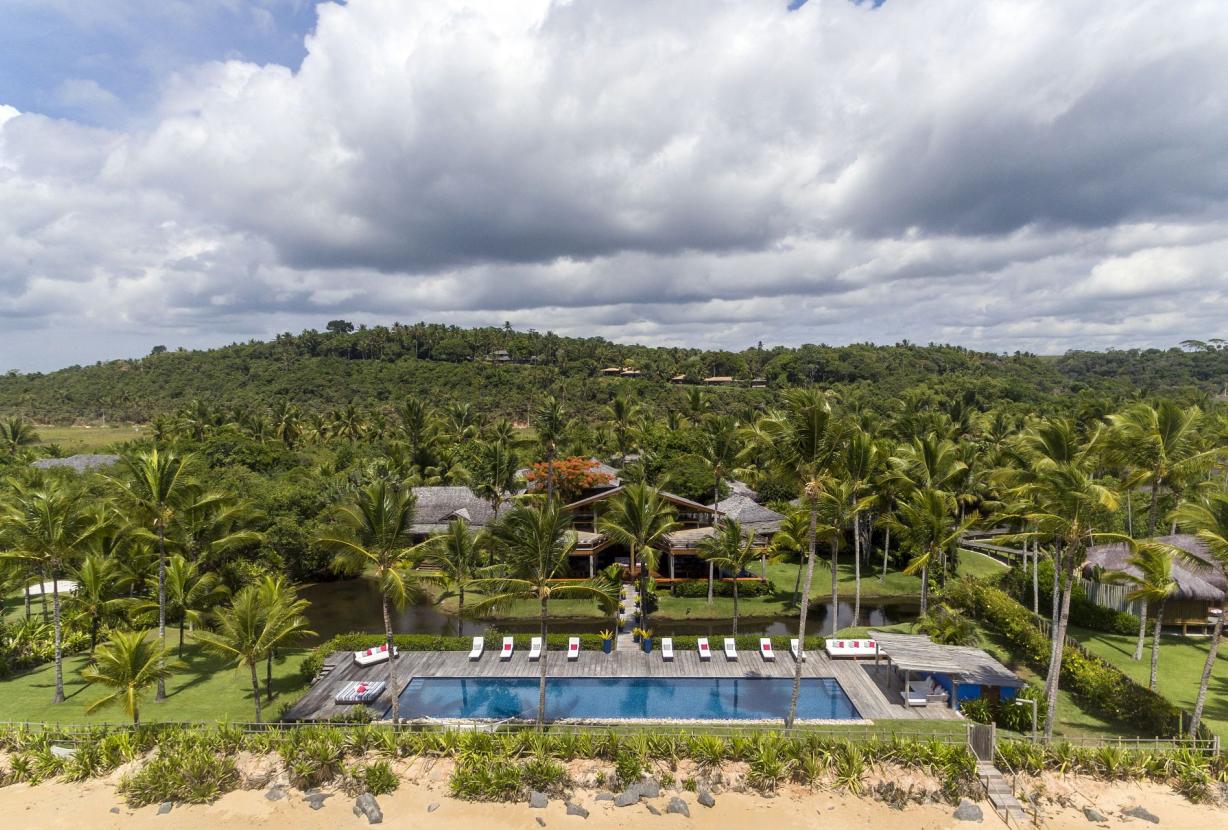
pixel 85 439
pixel 896 585
pixel 206 688
pixel 1181 663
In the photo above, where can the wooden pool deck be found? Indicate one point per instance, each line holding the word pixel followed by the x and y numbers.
pixel 861 680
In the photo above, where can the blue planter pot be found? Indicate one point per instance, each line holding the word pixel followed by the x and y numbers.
pixel 647 644
pixel 607 646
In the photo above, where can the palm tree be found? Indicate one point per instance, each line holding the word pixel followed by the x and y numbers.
pixel 721 446
pixel 1064 503
pixel 129 663
pixel 157 485
pixel 800 441
pixel 1161 442
pixel 926 526
pixel 859 464
pixel 624 415
pixel 1208 520
pixel 552 424
pixel 190 593
pixel 47 526
pixel 534 544
pixel 495 472
pixel 16 433
pixel 455 557
pixel 640 519
pixel 733 550
pixel 1150 576
pixel 417 423
pixel 287 423
pixel 245 632
pixel 287 624
pixel 374 534
pixel 210 526
pixel 95 599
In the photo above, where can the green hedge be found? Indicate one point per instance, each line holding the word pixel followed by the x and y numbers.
pixel 1099 686
pixel 1083 612
pixel 431 642
pixel 698 588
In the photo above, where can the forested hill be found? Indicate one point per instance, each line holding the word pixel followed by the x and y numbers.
pixel 373 366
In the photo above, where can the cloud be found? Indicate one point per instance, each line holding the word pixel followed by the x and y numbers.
pixel 1035 175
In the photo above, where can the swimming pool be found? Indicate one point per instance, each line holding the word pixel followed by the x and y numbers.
pixel 613 698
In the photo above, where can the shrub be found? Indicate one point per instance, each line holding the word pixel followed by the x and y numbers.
pixel 977 711
pixel 1098 685
pixel 192 773
pixel 698 588
pixel 378 778
pixel 1083 612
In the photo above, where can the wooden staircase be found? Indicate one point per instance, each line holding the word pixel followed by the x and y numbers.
pixel 982 741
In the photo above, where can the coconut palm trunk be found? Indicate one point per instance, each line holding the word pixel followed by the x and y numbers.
pixel 1142 631
pixel 160 695
pixel 541 681
pixel 886 552
pixel 856 569
pixel 1055 663
pixel 735 605
pixel 392 671
pixel 1155 646
pixel 1199 702
pixel 1036 577
pixel 1153 511
pixel 256 690
pixel 835 582
pixel 925 590
pixel 59 639
pixel 801 619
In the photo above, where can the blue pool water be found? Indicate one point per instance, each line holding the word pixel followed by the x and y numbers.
pixel 704 698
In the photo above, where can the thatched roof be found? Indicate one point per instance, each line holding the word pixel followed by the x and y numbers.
pixel 436 506
pixel 916 652
pixel 750 514
pixel 80 463
pixel 1194 581
pixel 677 501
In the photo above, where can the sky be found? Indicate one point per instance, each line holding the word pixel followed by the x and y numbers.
pixel 1034 175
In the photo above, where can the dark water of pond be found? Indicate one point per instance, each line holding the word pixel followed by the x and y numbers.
pixel 354 605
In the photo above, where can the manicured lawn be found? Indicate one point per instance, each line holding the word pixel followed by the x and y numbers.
pixel 84 439
pixel 895 585
pixel 1181 663
pixel 205 689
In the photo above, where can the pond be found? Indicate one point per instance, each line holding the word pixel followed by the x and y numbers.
pixel 354 605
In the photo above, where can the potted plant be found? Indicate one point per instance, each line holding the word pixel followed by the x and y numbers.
pixel 637 633
pixel 646 639
pixel 607 640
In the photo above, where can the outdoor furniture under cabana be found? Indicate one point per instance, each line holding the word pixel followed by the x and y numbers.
pixel 947 674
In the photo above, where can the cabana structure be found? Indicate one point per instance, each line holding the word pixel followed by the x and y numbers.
pixel 1201 586
pixel 961 672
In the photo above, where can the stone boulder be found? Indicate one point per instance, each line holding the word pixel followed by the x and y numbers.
pixel 968 811
pixel 366 805
pixel 677 806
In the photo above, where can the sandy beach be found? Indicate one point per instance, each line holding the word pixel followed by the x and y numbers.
pixel 95 804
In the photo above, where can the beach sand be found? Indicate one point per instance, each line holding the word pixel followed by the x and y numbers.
pixel 95 804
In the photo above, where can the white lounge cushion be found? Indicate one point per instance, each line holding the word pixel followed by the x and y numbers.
pixel 573 648
pixel 371 656
pixel 479 645
pixel 360 691
pixel 535 648
pixel 765 648
pixel 505 653
pixel 731 649
pixel 667 648
pixel 794 649
pixel 705 651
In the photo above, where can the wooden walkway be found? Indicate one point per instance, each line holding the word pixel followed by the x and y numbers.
pixel 857 678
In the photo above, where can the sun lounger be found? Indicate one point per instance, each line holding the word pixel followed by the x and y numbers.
pixel 705 653
pixel 794 650
pixel 360 691
pixel 731 649
pixel 535 648
pixel 667 648
pixel 573 648
pixel 371 656
pixel 917 693
pixel 850 648
pixel 505 653
pixel 479 645
pixel 765 648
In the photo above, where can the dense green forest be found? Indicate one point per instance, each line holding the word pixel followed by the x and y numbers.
pixel 379 366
